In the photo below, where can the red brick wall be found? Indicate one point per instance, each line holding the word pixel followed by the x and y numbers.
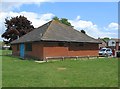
pixel 70 50
pixel 14 50
pixel 37 51
pixel 48 49
pixel 117 46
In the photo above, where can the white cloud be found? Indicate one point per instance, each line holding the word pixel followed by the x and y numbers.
pixel 9 5
pixel 67 0
pixel 81 24
pixel 36 19
pixel 93 30
pixel 113 26
pixel 24 1
pixel 39 19
pixel 78 18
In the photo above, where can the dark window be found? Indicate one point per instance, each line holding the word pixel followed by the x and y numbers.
pixel 102 49
pixel 28 47
pixel 76 44
pixel 81 44
pixel 119 48
pixel 113 42
pixel 18 47
pixel 108 50
pixel 61 44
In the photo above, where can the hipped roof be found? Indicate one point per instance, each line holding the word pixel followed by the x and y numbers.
pixel 55 31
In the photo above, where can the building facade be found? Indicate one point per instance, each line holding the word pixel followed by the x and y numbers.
pixel 55 39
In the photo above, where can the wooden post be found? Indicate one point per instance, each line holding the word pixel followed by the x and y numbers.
pixel 88 56
pixel 46 59
pixel 76 57
pixel 97 56
pixel 62 58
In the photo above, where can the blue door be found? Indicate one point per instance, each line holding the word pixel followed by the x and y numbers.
pixel 22 50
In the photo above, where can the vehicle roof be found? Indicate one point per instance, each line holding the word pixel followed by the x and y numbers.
pixel 106 48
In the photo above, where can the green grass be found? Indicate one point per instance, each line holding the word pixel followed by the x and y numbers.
pixel 67 73
pixel 5 52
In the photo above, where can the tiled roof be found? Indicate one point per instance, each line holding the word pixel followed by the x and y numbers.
pixel 55 31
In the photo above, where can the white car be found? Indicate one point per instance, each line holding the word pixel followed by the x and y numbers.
pixel 105 52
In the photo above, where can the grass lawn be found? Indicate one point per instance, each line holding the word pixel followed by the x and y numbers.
pixel 5 52
pixel 67 73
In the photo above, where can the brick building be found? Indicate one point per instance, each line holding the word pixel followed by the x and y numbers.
pixel 103 43
pixel 55 39
pixel 114 44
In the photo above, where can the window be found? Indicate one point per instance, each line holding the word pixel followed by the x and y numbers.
pixel 18 47
pixel 28 47
pixel 113 42
pixel 108 50
pixel 76 44
pixel 61 44
pixel 102 49
pixel 81 44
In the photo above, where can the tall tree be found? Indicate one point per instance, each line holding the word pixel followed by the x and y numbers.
pixel 65 21
pixel 62 20
pixel 106 39
pixel 56 18
pixel 16 27
pixel 83 31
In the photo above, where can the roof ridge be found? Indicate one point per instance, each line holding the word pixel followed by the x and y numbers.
pixel 53 21
pixel 49 23
pixel 75 30
pixel 65 25
pixel 55 31
pixel 47 28
pixel 34 30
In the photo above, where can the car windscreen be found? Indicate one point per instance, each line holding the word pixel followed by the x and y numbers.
pixel 102 49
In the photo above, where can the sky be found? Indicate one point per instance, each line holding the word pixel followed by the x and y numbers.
pixel 98 19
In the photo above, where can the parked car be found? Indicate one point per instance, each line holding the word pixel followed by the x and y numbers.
pixel 105 52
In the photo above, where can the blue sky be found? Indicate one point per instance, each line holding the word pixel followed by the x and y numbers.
pixel 98 19
pixel 101 13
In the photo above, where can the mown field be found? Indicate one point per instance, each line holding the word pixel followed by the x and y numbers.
pixel 5 52
pixel 68 73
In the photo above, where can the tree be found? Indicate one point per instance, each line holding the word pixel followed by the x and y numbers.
pixel 106 39
pixel 56 18
pixel 83 31
pixel 62 20
pixel 65 21
pixel 16 27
